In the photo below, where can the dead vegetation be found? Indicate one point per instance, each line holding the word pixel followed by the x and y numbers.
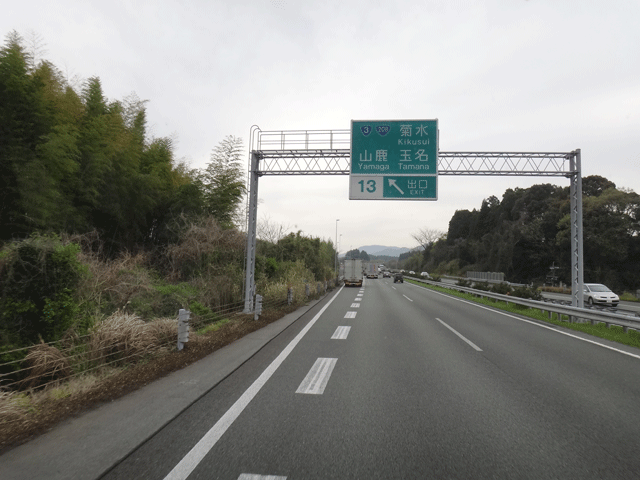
pixel 203 245
pixel 45 363
pixel 123 336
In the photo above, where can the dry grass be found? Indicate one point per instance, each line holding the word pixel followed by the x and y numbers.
pixel 45 363
pixel 10 406
pixel 124 335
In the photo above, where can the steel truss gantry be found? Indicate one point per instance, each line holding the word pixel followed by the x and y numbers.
pixel 327 152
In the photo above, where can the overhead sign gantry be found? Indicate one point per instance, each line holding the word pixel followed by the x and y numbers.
pixel 331 152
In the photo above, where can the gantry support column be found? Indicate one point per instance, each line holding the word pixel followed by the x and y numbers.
pixel 577 265
pixel 252 222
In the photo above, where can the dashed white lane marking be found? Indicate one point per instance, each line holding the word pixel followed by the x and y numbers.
pixel 407 298
pixel 350 315
pixel 357 299
pixel 394 288
pixel 191 460
pixel 318 377
pixel 355 305
pixel 477 348
pixel 253 476
pixel 341 333
pixel 359 295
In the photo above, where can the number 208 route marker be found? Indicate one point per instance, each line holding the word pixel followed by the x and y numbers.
pixel 394 160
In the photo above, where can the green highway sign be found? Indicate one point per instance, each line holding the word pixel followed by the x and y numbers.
pixel 393 187
pixel 399 147
pixel 394 160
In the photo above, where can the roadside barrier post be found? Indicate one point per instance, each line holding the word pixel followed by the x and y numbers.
pixel 289 295
pixel 258 307
pixel 183 327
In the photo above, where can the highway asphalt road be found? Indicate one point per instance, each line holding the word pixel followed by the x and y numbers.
pixel 394 381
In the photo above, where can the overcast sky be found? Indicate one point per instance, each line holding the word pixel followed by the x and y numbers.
pixel 499 75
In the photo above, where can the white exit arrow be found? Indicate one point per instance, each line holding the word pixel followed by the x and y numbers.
pixel 392 183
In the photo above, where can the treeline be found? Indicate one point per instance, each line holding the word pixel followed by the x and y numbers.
pixel 97 216
pixel 357 254
pixel 528 230
pixel 73 161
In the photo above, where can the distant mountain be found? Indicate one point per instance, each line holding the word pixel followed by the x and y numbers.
pixel 382 251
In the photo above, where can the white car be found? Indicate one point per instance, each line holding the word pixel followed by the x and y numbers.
pixel 425 275
pixel 598 294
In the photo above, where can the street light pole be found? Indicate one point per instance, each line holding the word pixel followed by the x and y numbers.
pixel 335 263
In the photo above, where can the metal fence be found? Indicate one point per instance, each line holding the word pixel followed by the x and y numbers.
pixel 486 276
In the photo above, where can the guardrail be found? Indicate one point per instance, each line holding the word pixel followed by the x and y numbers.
pixel 574 313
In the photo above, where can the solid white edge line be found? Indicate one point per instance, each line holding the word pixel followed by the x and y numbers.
pixel 473 345
pixel 191 460
pixel 531 322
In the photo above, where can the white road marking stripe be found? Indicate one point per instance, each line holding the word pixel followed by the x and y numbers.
pixel 407 298
pixel 357 299
pixel 253 476
pixel 191 460
pixel 359 295
pixel 477 348
pixel 341 333
pixel 394 288
pixel 536 324
pixel 350 315
pixel 318 377
pixel 355 305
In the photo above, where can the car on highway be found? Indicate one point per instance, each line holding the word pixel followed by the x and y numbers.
pixel 425 275
pixel 398 278
pixel 411 272
pixel 598 294
pixel 386 274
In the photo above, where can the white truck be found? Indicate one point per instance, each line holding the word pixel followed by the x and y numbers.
pixel 371 270
pixel 352 272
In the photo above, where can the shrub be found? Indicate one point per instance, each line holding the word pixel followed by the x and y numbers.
pixel 38 278
pixel 483 286
pixel 204 314
pixel 463 282
pixel 526 292
pixel 501 288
